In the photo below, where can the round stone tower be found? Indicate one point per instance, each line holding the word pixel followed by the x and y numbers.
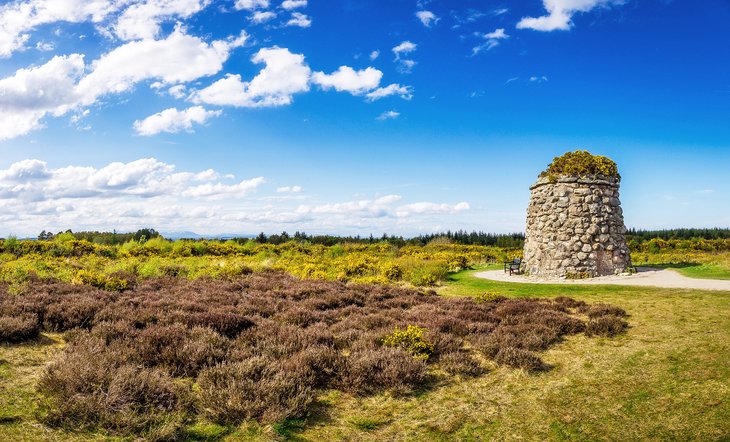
pixel 575 226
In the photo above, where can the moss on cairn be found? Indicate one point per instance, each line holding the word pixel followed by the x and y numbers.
pixel 581 163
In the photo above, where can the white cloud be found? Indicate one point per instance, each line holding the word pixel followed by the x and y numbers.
pixel 388 115
pixel 220 190
pixel 405 66
pixel 383 207
pixel 560 14
pixel 44 46
pixel 428 18
pixel 251 4
pixel 405 92
pixel 173 121
pixel 405 47
pixel 147 192
pixel 60 86
pixel 348 80
pixel 179 58
pixel 30 94
pixel 289 189
pixel 540 79
pixel 262 16
pixel 376 208
pixel 491 40
pixel 284 75
pixel 293 4
pixel 299 19
pixel 142 20
pixel 34 181
pixel 431 208
pixel 18 18
pixel 375 54
pixel 177 91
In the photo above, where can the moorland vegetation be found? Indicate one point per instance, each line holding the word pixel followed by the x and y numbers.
pixel 263 346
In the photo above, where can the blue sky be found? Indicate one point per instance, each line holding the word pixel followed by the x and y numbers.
pixel 354 117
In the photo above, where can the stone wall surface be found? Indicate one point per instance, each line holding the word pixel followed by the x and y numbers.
pixel 575 228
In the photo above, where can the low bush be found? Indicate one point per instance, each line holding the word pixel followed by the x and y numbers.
pixel 607 326
pixel 98 385
pixel 461 363
pixel 598 310
pixel 144 361
pixel 256 388
pixel 519 358
pixel 486 297
pixel 19 328
pixel 372 370
pixel 411 340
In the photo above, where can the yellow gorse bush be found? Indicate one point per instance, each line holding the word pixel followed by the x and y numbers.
pixel 359 263
pixel 411 340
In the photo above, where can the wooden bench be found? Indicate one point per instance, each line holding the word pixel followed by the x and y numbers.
pixel 513 266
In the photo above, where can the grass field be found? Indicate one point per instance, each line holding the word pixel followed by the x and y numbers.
pixel 666 379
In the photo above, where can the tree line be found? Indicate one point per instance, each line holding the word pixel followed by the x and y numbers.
pixel 508 240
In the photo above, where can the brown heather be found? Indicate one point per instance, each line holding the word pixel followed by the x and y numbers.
pixel 264 345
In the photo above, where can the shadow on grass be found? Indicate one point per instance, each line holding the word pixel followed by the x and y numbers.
pixel 682 265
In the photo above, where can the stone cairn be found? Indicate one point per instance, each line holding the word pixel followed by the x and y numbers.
pixel 575 225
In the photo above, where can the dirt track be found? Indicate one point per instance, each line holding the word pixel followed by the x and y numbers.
pixel 645 277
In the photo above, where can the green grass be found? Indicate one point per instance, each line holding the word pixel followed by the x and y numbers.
pixel 699 271
pixel 668 378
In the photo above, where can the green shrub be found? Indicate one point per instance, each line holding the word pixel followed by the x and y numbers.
pixel 411 340
pixel 391 271
pixel 581 163
pixel 486 297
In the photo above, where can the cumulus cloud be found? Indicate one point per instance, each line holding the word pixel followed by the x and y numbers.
pixel 61 84
pixel 262 16
pixel 284 75
pixel 18 18
pixel 167 60
pixel 375 54
pixel 430 208
pixel 300 20
pixel 142 20
pixel 251 4
pixel 404 65
pixel 173 120
pixel 384 207
pixel 293 4
pixel 428 18
pixel 32 180
pixel 405 47
pixel 148 192
pixel 346 79
pixel 220 190
pixel 30 94
pixel 135 194
pixel 289 189
pixel 388 115
pixel 491 40
pixel 405 92
pixel 560 14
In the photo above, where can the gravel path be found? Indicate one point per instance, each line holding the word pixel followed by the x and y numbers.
pixel 646 276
